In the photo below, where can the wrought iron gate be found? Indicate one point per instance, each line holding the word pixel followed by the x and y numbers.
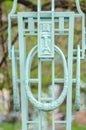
pixel 45 26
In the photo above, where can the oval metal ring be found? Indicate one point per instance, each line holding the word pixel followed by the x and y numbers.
pixel 56 103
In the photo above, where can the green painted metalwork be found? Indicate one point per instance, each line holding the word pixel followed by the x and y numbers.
pixel 59 101
pixel 41 24
pixel 15 81
pixel 82 15
pixel 77 100
pixel 10 17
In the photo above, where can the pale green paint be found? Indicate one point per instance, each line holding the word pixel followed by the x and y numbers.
pixel 45 50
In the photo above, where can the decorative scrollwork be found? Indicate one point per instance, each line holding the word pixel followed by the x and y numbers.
pixel 56 103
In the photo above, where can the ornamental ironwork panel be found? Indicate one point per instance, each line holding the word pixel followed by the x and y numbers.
pixel 44 27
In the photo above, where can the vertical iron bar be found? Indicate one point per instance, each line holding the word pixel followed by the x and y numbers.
pixel 83 28
pixel 77 97
pixel 53 65
pixel 70 65
pixel 22 51
pixel 53 94
pixel 16 97
pixel 53 5
pixel 39 69
pixel 40 91
pixel 9 38
pixel 39 5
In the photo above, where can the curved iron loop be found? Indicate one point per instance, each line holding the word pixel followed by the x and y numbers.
pixel 16 99
pixel 12 12
pixel 45 106
pixel 78 7
pixel 77 97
